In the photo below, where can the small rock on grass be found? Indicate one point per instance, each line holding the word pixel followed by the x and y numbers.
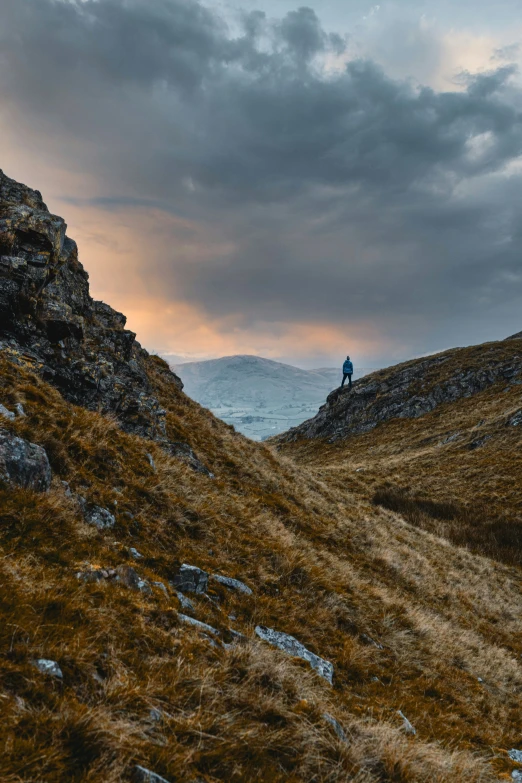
pixel 198 624
pixel 336 726
pixel 232 584
pixel 96 515
pixel 516 775
pixel 290 645
pixel 191 579
pixel 142 775
pixel 515 755
pixel 46 666
pixel 406 725
pixel 6 414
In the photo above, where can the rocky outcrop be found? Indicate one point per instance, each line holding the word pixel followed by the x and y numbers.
pixel 24 464
pixel 49 320
pixel 411 390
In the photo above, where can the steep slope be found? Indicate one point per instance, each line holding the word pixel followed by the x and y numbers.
pixel 258 396
pixel 107 670
pixel 438 440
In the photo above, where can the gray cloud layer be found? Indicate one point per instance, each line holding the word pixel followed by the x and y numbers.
pixel 346 195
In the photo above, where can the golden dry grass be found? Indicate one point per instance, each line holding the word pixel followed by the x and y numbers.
pixel 325 564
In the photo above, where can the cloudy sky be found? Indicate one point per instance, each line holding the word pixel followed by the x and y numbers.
pixel 292 181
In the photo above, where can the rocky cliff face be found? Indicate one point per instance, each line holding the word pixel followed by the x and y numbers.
pixel 49 320
pixel 411 390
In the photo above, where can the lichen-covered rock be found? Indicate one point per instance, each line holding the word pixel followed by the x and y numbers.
pixel 96 515
pixel 290 645
pixel 48 318
pixel 191 579
pixel 24 464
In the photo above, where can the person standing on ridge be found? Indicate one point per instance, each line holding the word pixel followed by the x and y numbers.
pixel 347 372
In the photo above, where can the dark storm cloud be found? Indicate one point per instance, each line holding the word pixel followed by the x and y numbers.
pixel 345 193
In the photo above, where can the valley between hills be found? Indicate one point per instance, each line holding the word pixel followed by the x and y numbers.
pixel 182 604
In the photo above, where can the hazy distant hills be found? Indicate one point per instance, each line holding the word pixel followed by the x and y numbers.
pixel 258 396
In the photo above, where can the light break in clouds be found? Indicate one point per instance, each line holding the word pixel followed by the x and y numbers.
pixel 242 181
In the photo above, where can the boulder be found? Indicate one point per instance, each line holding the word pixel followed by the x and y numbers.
pixel 24 464
pixel 191 579
pixel 232 584
pixel 47 666
pixel 291 646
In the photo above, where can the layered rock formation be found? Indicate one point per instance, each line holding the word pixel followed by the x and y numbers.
pixel 411 390
pixel 49 320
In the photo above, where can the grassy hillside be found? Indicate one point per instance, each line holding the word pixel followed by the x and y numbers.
pixel 409 621
pixel 456 470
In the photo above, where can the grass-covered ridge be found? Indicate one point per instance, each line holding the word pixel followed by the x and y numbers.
pixel 325 565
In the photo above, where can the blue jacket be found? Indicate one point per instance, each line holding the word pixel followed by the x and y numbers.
pixel 348 367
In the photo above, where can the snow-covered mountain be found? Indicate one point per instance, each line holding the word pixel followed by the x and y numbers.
pixel 258 396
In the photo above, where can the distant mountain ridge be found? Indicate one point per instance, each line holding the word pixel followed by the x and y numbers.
pixel 259 396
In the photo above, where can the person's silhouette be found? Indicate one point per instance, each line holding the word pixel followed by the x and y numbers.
pixel 347 372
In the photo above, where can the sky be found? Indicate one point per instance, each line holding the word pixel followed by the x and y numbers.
pixel 262 177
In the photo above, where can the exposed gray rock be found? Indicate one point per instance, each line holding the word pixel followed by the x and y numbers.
pixel 369 641
pixel 98 575
pixel 6 414
pixel 24 464
pixel 133 552
pixel 198 624
pixel 47 666
pixel 409 391
pixel 161 587
pixel 143 775
pixel 156 716
pixel 185 602
pixel 191 579
pixel 151 462
pixel 130 578
pixel 517 775
pixel 96 515
pixel 516 419
pixel 291 646
pixel 19 408
pixel 406 725
pixel 232 584
pixel 336 726
pixel 515 755
pixel 185 453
